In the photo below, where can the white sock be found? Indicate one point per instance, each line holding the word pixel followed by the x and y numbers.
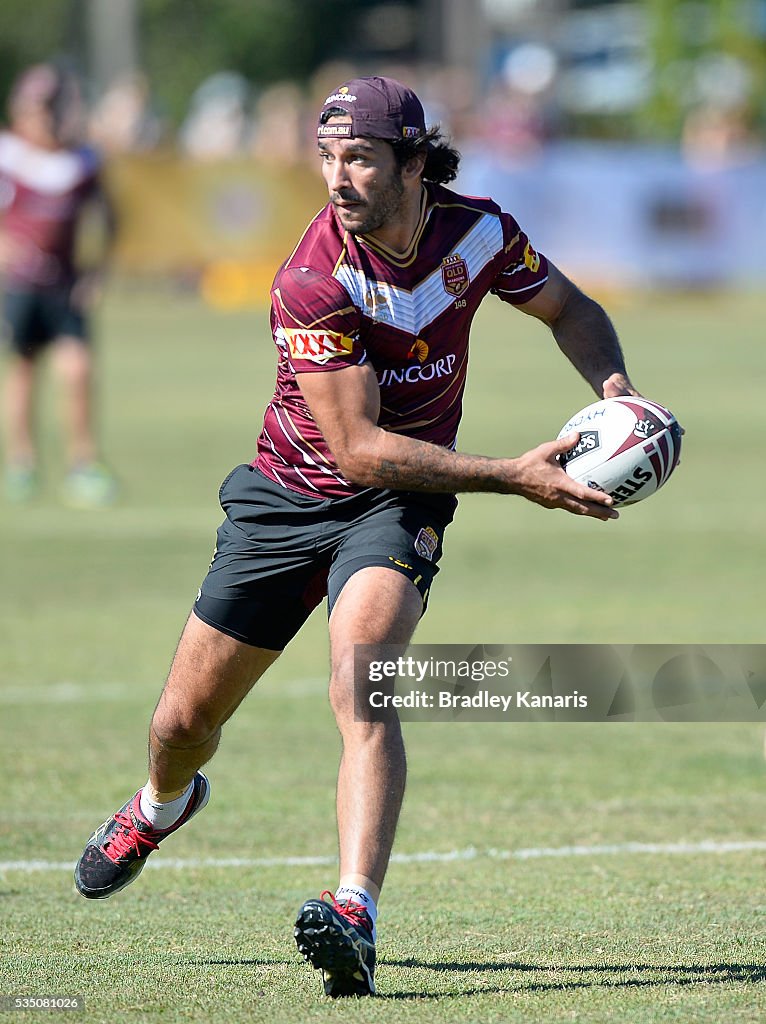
pixel 162 816
pixel 357 894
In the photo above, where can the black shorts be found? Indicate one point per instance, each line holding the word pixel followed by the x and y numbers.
pixel 279 553
pixel 36 316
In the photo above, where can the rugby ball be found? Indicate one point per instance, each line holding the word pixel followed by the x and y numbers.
pixel 628 447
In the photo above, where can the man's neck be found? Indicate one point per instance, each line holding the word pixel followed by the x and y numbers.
pixel 40 140
pixel 398 237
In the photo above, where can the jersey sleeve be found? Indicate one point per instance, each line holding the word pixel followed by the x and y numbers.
pixel 315 321
pixel 522 270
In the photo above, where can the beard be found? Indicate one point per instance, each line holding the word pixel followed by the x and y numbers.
pixel 373 213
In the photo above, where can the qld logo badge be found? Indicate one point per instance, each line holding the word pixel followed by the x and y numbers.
pixel 455 274
pixel 426 542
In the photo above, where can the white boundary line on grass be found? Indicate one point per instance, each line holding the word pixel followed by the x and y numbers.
pixel 65 692
pixel 705 846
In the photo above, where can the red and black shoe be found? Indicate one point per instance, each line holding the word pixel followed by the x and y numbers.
pixel 337 938
pixel 117 851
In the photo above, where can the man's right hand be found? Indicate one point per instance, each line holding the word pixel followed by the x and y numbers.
pixel 540 478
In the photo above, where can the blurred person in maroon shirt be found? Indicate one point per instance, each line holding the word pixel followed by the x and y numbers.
pixel 48 181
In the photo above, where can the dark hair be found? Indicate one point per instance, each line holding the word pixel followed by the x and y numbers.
pixel 52 87
pixel 441 163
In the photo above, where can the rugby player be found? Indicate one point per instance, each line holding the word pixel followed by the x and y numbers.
pixel 47 183
pixel 353 486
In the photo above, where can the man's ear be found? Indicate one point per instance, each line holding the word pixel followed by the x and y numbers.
pixel 413 168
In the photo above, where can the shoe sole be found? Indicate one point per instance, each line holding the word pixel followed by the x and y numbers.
pixel 138 865
pixel 327 945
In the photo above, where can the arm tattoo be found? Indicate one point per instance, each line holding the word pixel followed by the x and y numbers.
pixel 422 466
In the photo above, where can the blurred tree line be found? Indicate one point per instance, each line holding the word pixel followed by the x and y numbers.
pixel 699 51
pixel 182 42
pixel 705 52
pixel 264 40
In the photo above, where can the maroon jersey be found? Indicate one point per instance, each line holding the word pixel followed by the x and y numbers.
pixel 41 197
pixel 343 300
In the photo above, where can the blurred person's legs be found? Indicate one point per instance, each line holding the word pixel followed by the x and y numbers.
pixel 88 483
pixel 18 427
pixel 37 320
pixel 22 335
pixel 73 364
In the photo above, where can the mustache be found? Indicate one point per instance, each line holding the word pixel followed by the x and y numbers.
pixel 346 197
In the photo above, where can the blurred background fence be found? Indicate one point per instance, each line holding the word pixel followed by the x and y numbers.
pixel 628 138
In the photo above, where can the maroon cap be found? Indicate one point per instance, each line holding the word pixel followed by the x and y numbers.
pixel 380 108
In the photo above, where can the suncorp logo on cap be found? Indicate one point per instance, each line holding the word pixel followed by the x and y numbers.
pixel 341 96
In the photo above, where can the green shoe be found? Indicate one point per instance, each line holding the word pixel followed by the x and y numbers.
pixel 21 483
pixel 89 486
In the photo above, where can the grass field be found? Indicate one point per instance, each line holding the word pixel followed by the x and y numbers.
pixel 516 895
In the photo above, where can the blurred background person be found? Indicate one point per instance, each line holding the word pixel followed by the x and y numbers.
pixel 278 126
pixel 123 120
pixel 217 125
pixel 48 182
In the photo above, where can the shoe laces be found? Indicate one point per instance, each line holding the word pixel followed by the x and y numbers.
pixel 127 840
pixel 355 913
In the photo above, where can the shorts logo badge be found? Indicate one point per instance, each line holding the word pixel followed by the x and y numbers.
pixel 455 276
pixel 426 543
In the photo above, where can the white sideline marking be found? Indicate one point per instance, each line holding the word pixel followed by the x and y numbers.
pixel 65 692
pixel 705 846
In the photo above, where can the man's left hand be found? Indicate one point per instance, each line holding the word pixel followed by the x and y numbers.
pixel 617 385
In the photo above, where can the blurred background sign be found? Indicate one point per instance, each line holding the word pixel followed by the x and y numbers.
pixel 234 219
pixel 631 215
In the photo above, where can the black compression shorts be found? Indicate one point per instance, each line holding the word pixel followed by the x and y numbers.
pixel 279 552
